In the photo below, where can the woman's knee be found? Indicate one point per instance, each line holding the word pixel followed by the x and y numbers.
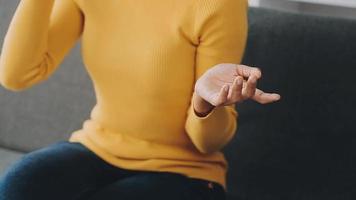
pixel 36 170
pixel 21 175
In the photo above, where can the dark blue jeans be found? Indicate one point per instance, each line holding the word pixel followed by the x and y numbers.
pixel 70 171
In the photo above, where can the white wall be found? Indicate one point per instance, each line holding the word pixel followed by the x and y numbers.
pixel 342 3
pixel 336 8
pixel 254 3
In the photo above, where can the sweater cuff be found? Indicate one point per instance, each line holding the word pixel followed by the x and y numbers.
pixel 209 122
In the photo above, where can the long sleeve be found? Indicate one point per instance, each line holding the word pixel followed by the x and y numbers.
pixel 221 29
pixel 39 36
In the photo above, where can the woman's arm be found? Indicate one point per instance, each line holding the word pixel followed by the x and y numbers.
pixel 39 36
pixel 221 28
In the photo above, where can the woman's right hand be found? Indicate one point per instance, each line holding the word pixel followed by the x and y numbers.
pixel 212 84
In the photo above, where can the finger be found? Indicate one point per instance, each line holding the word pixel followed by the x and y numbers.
pixel 222 95
pixel 263 97
pixel 247 71
pixel 236 89
pixel 250 88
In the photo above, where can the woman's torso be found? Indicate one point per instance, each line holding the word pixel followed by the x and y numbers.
pixel 141 60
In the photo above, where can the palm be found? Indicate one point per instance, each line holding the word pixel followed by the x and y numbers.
pixel 209 85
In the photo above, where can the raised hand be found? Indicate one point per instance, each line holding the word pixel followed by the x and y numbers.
pixel 225 84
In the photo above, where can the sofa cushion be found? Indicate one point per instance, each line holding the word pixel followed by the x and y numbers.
pixel 230 196
pixel 304 146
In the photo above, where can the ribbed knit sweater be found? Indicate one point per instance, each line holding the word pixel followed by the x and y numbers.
pixel 144 57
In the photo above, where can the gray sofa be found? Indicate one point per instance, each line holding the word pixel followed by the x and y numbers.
pixel 302 147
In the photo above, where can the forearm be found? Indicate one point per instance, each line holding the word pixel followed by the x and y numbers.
pixel 25 43
pixel 212 131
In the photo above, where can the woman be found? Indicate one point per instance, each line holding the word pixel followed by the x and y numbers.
pixel 166 78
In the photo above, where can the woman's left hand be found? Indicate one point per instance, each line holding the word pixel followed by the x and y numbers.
pixel 224 84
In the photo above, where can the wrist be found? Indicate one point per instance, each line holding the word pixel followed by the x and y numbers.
pixel 201 107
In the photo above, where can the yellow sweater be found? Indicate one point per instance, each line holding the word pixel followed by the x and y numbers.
pixel 143 58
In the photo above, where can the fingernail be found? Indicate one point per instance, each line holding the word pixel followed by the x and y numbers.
pixel 226 88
